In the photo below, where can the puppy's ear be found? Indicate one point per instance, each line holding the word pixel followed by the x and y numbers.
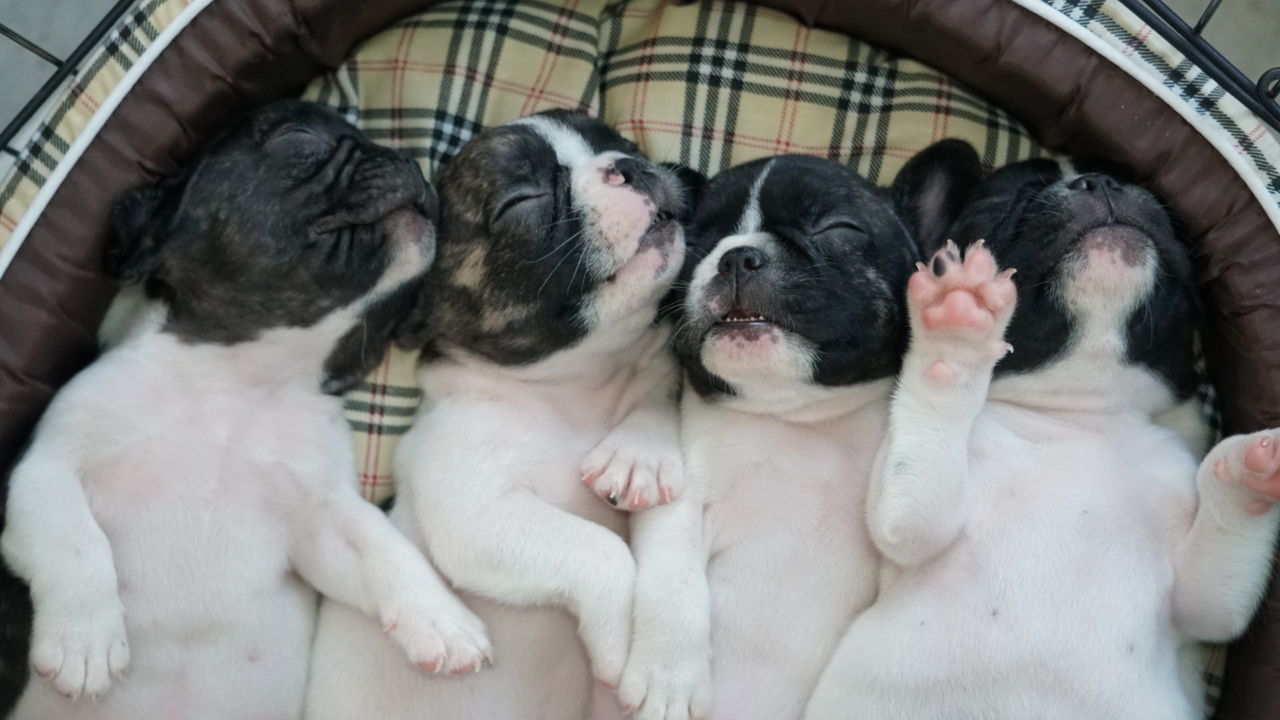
pixel 692 186
pixel 932 188
pixel 362 348
pixel 139 221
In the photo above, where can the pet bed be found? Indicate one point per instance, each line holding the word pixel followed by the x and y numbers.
pixel 710 84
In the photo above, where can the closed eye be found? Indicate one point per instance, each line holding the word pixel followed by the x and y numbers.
pixel 297 138
pixel 513 201
pixel 845 225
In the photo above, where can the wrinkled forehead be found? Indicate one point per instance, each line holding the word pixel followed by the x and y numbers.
pixel 573 140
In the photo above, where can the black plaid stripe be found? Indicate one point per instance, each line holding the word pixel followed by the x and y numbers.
pixel 866 87
pixel 133 33
pixel 479 36
pixel 715 63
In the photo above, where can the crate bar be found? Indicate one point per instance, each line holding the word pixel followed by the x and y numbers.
pixel 1201 52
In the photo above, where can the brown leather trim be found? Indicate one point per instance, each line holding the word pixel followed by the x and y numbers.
pixel 239 53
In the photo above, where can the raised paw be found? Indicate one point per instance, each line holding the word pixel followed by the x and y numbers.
pixel 81 649
pixel 966 297
pixel 635 467
pixel 666 686
pixel 440 636
pixel 1252 464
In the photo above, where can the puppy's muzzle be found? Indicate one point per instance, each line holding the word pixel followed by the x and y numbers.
pixel 368 183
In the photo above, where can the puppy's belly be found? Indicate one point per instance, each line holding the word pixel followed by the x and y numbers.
pixel 1053 603
pixel 791 563
pixel 539 673
pixel 218 625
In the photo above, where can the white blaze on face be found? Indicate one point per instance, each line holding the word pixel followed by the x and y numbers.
pixel 615 214
pixel 751 216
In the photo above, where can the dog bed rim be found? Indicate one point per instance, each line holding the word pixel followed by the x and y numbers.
pixel 1222 144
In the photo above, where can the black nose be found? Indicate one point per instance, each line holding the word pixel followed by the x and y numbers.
pixel 1094 182
pixel 629 168
pixel 740 262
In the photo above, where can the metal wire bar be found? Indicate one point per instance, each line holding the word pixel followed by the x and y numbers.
pixel 1188 41
pixel 64 71
pixel 29 46
pixel 1206 16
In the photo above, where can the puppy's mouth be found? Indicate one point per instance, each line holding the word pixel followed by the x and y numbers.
pixel 743 320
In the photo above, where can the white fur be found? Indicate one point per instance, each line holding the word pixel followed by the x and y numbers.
pixel 1049 554
pixel 170 495
pixel 745 582
pixel 490 485
pixel 750 221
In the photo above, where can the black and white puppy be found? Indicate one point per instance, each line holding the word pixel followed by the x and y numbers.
pixel 542 364
pixel 1051 550
pixel 175 487
pixel 791 329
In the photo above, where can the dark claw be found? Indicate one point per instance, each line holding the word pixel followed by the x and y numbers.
pixel 613 499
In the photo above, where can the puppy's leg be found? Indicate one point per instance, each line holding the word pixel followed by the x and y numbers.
pixel 52 541
pixel 349 551
pixel 639 464
pixel 959 311
pixel 668 673
pixel 1224 561
pixel 491 535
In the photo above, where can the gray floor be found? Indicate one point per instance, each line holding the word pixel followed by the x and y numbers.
pixel 55 25
pixel 1246 31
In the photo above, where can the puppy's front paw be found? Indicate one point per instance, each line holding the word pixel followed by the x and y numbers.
pixel 962 305
pixel 1250 465
pixel 80 647
pixel 439 635
pixel 663 685
pixel 636 466
pixel 604 624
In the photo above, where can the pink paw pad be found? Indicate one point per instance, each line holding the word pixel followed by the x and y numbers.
pixel 1261 455
pixel 1261 473
pixel 430 666
pixel 965 295
pixel 941 373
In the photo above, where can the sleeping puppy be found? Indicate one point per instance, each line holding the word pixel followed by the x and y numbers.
pixel 542 365
pixel 175 487
pixel 1050 549
pixel 790 333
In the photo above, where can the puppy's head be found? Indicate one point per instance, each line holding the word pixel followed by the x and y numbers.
pixel 1104 276
pixel 554 228
pixel 290 216
pixel 796 278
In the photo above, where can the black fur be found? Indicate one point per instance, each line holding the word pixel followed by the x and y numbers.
pixel 511 279
pixel 1033 220
pixel 284 219
pixel 838 279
